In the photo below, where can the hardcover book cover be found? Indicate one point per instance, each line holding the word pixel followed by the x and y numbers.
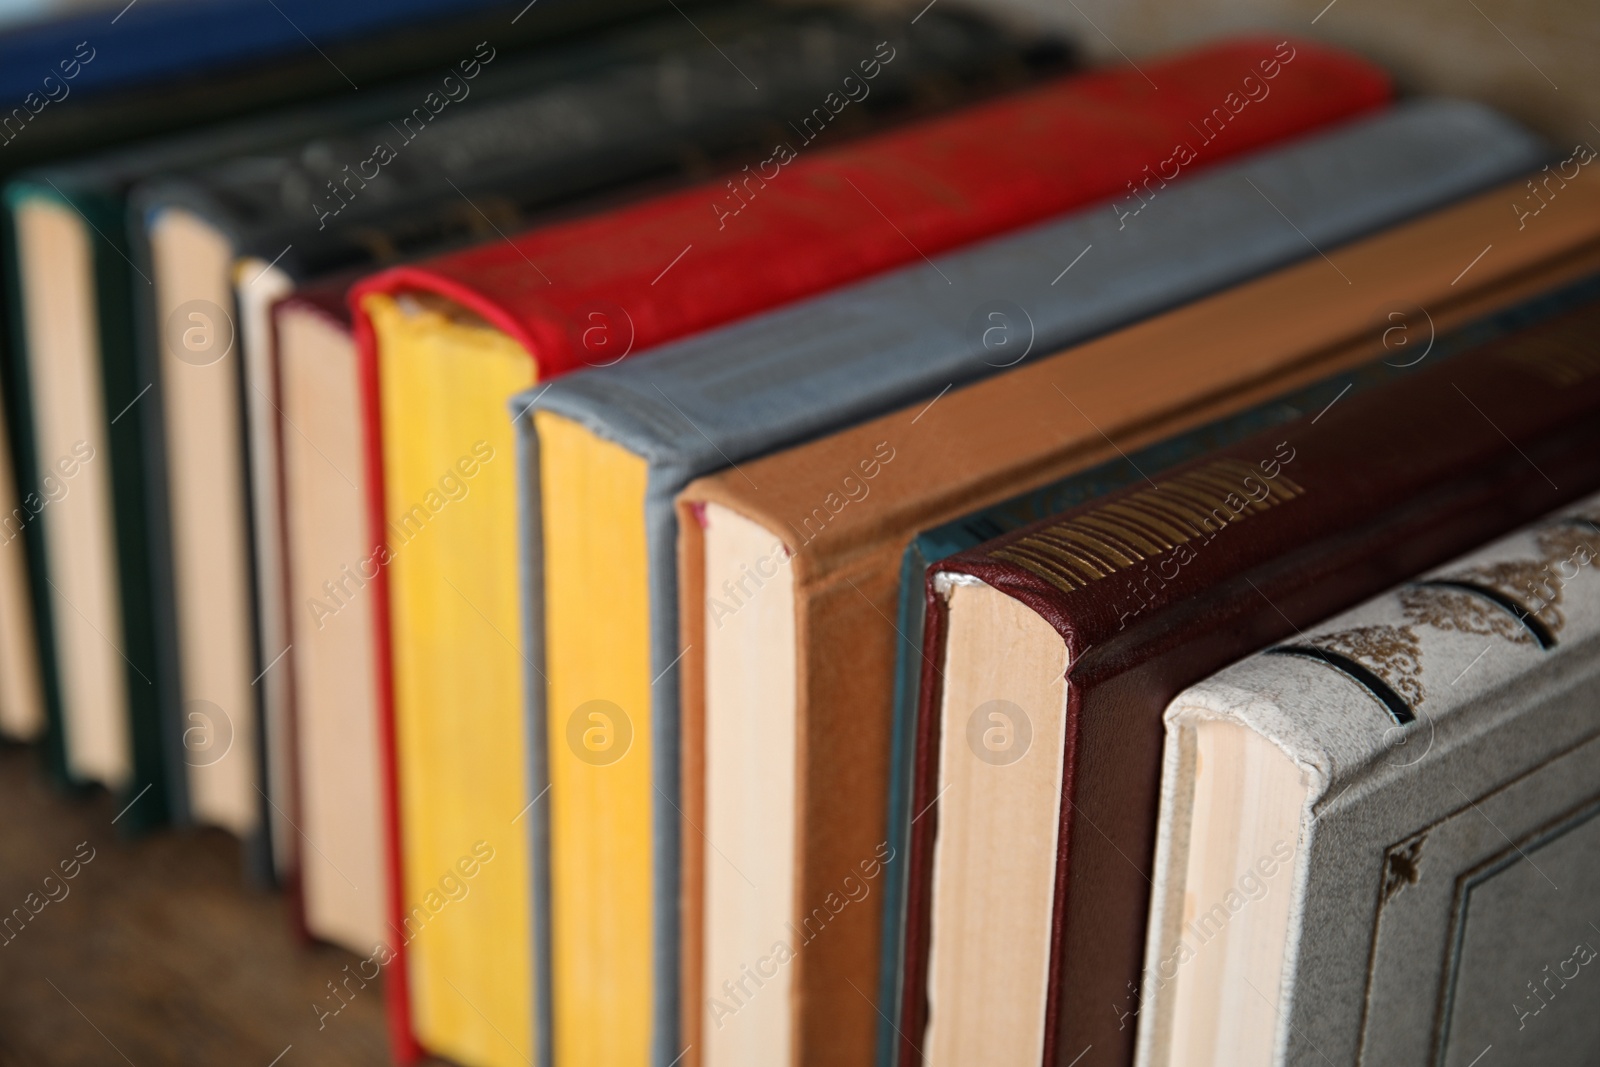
pixel 1051 652
pixel 1434 756
pixel 606 451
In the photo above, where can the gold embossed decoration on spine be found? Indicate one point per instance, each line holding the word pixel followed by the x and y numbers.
pixel 1113 537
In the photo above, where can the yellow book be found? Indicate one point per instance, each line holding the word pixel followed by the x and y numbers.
pixel 457 664
pixel 598 726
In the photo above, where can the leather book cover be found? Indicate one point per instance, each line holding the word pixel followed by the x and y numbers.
pixel 1152 588
pixel 991 441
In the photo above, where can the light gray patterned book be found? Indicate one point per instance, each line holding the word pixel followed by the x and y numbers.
pixel 605 451
pixel 1378 839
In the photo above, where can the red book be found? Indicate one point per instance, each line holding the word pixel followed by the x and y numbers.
pixel 800 221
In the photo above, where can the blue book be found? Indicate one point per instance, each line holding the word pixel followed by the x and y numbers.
pixel 714 401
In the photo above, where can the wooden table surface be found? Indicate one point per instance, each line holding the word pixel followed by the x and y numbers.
pixel 155 953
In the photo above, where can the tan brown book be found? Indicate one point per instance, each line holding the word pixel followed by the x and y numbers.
pixel 789 592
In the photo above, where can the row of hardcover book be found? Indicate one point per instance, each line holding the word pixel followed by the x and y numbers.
pixel 772 534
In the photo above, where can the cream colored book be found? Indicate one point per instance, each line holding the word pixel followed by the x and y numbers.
pixel 330 565
pixel 1378 840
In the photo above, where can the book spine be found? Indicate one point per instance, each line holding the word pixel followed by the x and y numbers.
pixel 1008 163
pixel 1150 548
pixel 589 136
pixel 1412 655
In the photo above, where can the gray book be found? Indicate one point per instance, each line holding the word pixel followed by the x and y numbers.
pixel 770 382
pixel 1378 840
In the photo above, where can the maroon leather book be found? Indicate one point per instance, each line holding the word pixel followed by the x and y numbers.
pixel 1159 585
